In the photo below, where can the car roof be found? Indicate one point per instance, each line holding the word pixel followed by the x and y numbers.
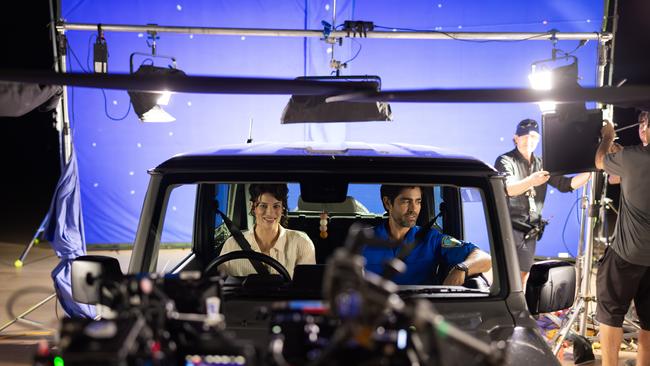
pixel 314 152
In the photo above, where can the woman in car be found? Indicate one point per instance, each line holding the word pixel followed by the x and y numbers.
pixel 270 235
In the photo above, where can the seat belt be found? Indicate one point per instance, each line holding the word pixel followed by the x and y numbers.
pixel 243 243
pixel 406 249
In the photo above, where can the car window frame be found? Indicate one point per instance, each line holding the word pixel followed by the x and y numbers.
pixel 155 203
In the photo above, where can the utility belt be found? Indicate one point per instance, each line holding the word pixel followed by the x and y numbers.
pixel 533 230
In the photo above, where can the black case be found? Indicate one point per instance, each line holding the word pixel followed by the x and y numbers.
pixel 545 279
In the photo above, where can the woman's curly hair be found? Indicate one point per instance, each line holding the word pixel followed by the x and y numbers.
pixel 279 191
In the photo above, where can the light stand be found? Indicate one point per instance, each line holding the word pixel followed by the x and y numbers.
pixel 584 260
pixel 588 255
pixel 589 212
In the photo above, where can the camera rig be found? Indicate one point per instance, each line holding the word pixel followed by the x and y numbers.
pixel 177 320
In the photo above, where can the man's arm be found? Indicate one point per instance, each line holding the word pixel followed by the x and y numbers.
pixel 614 179
pixel 515 188
pixel 608 134
pixel 580 180
pixel 477 261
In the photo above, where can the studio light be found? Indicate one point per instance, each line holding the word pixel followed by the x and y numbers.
pixel 314 109
pixel 147 105
pixel 543 77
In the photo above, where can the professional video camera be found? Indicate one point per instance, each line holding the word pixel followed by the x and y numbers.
pixel 153 319
pixel 178 320
pixel 363 321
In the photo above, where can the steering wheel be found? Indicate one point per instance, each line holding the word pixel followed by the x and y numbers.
pixel 249 254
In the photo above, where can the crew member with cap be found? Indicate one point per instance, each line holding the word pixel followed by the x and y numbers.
pixel 526 183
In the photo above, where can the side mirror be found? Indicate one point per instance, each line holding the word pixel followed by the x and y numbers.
pixel 89 273
pixel 551 286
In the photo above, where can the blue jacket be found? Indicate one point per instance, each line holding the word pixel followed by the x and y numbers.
pixel 435 250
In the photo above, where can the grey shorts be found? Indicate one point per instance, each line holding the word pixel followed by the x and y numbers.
pixel 525 250
pixel 617 283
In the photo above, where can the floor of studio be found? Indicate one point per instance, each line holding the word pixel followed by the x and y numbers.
pixel 22 288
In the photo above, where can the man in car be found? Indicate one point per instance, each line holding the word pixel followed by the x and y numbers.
pixel 624 271
pixel 526 184
pixel 433 250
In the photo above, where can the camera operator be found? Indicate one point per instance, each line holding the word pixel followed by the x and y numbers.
pixel 526 189
pixel 624 272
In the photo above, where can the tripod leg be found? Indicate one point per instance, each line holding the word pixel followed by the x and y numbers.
pixel 20 261
pixel 20 317
pixel 564 331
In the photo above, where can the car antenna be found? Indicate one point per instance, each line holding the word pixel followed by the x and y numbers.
pixel 250 131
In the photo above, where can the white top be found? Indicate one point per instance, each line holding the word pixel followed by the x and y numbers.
pixel 292 248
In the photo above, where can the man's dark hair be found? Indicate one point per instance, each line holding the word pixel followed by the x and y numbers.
pixel 279 191
pixel 392 191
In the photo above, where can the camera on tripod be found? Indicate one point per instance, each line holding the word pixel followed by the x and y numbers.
pixel 151 319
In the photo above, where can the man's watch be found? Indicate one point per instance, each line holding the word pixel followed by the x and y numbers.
pixel 462 267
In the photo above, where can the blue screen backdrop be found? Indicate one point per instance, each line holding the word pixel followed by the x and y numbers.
pixel 114 155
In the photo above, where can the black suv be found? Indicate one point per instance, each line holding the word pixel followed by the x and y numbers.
pixel 462 197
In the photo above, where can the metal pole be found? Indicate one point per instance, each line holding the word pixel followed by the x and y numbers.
pixel 564 331
pixel 62 119
pixel 584 203
pixel 494 36
pixel 587 259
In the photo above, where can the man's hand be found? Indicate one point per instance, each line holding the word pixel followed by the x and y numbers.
pixel 455 277
pixel 615 148
pixel 539 178
pixel 606 144
pixel 607 132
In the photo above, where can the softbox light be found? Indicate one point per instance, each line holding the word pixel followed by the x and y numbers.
pixel 314 108
pixel 147 105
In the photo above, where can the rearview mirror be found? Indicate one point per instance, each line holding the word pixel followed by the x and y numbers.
pixel 89 273
pixel 551 286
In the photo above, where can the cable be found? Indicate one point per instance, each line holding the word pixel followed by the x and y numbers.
pixel 13 298
pixel 564 228
pixel 356 54
pixel 106 109
pixel 466 40
pixel 103 91
pixel 567 54
pixel 544 22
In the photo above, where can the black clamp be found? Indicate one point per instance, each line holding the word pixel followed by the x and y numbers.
pixel 553 40
pixel 358 27
pixel 327 29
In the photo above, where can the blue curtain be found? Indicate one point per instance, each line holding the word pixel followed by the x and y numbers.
pixel 63 228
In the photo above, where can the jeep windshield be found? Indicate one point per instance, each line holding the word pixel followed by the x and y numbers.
pixel 191 224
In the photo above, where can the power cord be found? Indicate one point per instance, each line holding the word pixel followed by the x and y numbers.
pixel 566 221
pixel 545 34
pixel 85 70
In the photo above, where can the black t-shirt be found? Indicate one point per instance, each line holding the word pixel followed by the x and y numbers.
pixel 527 207
pixel 632 241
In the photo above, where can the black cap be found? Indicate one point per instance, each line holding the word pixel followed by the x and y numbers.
pixel 526 126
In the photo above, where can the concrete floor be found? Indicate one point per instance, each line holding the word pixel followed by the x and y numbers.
pixel 22 288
